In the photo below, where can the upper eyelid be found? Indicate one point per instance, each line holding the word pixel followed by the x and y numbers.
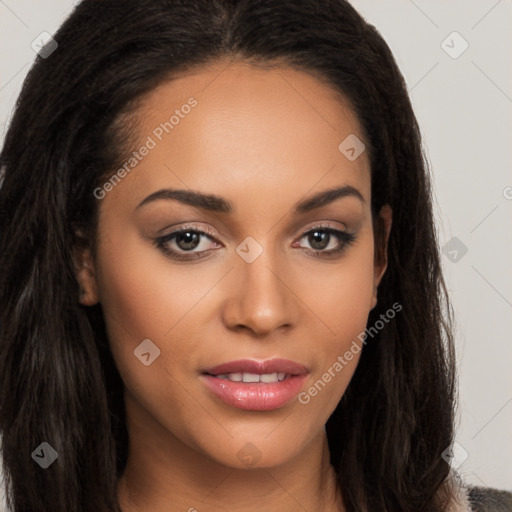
pixel 202 231
pixel 208 233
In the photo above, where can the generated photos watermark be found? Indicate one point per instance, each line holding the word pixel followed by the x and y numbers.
pixel 151 143
pixel 305 396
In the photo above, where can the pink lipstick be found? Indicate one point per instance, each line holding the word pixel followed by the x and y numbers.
pixel 256 385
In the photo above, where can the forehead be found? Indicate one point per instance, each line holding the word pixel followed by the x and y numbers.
pixel 228 128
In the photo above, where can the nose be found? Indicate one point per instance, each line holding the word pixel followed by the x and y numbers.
pixel 260 297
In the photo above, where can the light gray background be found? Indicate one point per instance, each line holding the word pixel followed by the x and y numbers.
pixel 464 108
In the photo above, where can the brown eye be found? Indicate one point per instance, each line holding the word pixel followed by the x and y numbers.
pixel 319 240
pixel 326 241
pixel 182 243
pixel 187 240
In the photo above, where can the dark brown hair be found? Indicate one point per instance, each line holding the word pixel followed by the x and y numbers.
pixel 58 382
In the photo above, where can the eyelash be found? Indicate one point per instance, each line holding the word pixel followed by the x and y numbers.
pixel 346 239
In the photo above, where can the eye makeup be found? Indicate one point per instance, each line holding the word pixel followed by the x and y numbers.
pixel 181 244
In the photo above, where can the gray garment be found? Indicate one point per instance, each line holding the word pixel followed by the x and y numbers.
pixel 487 499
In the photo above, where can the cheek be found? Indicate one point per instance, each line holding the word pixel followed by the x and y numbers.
pixel 341 298
pixel 144 299
pixel 136 300
pixel 140 289
pixel 341 294
pixel 144 296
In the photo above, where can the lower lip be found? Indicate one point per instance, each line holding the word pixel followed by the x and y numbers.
pixel 255 396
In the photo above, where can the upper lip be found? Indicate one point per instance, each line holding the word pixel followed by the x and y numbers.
pixel 258 367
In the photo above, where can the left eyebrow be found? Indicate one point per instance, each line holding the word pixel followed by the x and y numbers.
pixel 328 196
pixel 218 204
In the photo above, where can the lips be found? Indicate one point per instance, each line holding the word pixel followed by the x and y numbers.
pixel 256 385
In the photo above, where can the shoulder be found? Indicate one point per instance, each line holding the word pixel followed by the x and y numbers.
pixel 487 499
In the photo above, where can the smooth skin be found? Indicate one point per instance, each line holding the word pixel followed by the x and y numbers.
pixel 264 140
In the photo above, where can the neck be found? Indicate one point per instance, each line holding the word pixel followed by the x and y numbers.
pixel 165 474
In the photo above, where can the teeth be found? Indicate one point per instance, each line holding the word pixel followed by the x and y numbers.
pixel 268 377
pixel 253 377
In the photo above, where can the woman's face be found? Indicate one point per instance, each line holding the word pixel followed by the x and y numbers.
pixel 266 281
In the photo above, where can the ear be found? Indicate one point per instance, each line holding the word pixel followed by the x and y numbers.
pixel 85 270
pixel 382 229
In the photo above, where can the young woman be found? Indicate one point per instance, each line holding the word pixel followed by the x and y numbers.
pixel 220 285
